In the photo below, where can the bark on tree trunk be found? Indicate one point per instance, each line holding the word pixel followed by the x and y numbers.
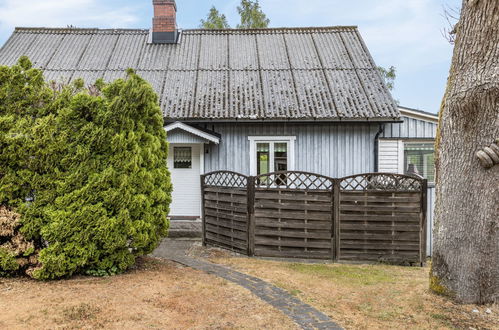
pixel 466 249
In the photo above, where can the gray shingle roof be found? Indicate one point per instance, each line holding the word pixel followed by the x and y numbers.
pixel 287 73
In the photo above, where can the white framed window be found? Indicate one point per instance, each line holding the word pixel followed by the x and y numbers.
pixel 271 154
pixel 419 158
pixel 182 157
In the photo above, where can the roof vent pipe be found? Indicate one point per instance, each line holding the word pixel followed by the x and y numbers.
pixel 164 23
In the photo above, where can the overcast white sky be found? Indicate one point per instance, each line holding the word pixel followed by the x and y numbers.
pixel 404 33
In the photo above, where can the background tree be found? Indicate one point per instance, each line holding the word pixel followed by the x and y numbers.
pixel 389 75
pixel 215 20
pixel 252 16
pixel 465 261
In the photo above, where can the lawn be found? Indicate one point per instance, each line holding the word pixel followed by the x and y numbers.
pixel 368 296
pixel 156 294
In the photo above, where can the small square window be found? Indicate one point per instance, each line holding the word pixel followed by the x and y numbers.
pixel 182 157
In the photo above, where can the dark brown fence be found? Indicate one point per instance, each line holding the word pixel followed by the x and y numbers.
pixel 293 215
pixel 367 217
pixel 225 210
pixel 381 217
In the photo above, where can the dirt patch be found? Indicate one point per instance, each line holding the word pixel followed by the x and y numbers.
pixel 156 294
pixel 369 296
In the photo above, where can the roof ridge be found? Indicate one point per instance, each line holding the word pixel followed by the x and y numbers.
pixel 73 29
pixel 207 31
pixel 283 28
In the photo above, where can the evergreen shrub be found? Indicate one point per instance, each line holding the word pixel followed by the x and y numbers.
pixel 85 167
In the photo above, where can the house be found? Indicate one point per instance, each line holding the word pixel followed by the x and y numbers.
pixel 249 101
pixel 411 144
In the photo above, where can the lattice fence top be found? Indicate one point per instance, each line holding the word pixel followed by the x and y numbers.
pixel 294 180
pixel 225 179
pixel 381 182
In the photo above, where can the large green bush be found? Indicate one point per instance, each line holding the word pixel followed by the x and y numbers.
pixel 92 163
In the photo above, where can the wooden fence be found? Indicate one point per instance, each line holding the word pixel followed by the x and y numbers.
pixel 367 217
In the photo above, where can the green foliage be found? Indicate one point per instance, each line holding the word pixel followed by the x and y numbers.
pixel 23 97
pixel 102 272
pixel 252 16
pixel 389 75
pixel 8 263
pixel 95 162
pixel 215 20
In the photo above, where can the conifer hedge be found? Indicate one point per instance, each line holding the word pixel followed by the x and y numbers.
pixel 85 167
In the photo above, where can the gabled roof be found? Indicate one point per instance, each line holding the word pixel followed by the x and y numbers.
pixel 209 136
pixel 262 74
pixel 418 114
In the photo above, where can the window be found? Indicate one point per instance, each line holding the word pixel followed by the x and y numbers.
pixel 266 163
pixel 419 158
pixel 271 154
pixel 182 157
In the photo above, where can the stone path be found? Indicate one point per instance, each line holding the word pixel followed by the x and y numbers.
pixel 303 314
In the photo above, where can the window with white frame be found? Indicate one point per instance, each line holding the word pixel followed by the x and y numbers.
pixel 271 154
pixel 419 158
pixel 182 157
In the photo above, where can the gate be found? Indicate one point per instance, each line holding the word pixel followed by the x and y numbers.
pixel 225 210
pixel 366 217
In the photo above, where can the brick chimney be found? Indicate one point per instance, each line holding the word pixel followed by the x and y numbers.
pixel 164 23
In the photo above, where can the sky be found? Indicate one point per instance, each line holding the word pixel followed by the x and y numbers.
pixel 406 34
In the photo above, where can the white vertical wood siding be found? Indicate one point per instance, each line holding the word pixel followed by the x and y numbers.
pixel 389 156
pixel 410 129
pixel 332 149
pixel 180 136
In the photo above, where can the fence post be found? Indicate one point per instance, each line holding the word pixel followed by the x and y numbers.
pixel 335 241
pixel 424 207
pixel 203 221
pixel 250 192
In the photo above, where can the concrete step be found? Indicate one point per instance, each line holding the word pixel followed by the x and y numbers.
pixel 185 228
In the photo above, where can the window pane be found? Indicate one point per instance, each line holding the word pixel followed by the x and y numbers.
pixel 182 157
pixel 281 161
pixel 280 157
pixel 419 159
pixel 262 158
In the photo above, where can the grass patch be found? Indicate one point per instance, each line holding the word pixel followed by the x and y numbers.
pixel 345 274
pixel 377 296
pixel 155 294
pixel 81 312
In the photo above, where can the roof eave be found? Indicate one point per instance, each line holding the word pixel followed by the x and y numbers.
pixel 285 120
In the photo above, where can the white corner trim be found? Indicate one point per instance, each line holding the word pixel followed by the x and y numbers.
pixel 192 130
pixel 401 157
pixel 290 140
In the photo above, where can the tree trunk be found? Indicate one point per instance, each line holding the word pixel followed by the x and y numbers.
pixel 466 249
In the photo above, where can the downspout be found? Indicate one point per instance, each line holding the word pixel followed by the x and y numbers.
pixel 376 147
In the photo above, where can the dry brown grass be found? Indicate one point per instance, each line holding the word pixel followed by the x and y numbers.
pixel 368 296
pixel 155 295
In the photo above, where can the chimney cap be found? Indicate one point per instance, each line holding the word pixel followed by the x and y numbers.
pixel 164 2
